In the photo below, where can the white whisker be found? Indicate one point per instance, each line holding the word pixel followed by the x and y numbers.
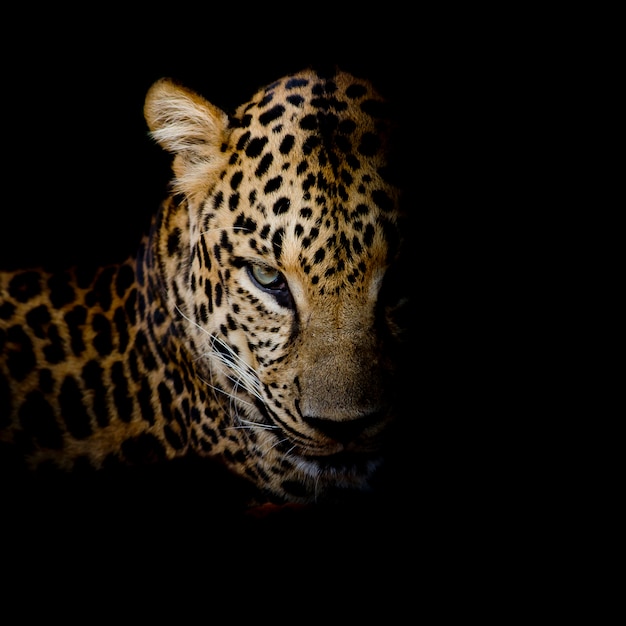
pixel 247 230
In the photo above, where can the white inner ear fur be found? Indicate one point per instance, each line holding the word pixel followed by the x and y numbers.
pixel 191 128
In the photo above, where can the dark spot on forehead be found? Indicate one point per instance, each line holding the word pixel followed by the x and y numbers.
pixel 271 115
pixel 356 91
pixel 255 147
pixel 375 108
pixel 292 83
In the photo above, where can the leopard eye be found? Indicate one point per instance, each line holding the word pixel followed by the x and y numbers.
pixel 266 276
pixel 271 281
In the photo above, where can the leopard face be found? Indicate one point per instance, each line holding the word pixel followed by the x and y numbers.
pixel 259 324
pixel 293 230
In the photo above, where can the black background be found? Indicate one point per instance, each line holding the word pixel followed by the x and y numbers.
pixel 81 179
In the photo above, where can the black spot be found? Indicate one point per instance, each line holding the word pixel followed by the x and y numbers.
pixel 61 292
pixel 343 144
pixel 281 206
pixel 37 419
pixel 277 242
pixel 369 144
pixel 308 182
pixel 353 163
pixel 141 277
pixel 144 398
pixel 74 320
pixel 225 242
pixel 206 257
pixel 245 224
pixel 20 355
pixel 375 108
pixel 37 318
pixel 309 122
pixel 269 96
pixel 346 177
pixel 173 241
pixel 218 294
pixel 73 409
pixel 244 122
pixel 273 184
pixel 218 199
pixel 129 307
pixel 264 165
pixel 102 288
pixel 255 147
pixel 93 378
pixel 46 381
pixel 292 83
pixel 124 279
pixel 143 349
pixel 173 438
pixel 123 402
pixel 271 115
pixel 233 201
pixel 368 235
pixel 54 352
pixel 177 380
pixel 356 91
pixel 346 127
pixel 243 139
pixel 296 100
pixel 236 179
pixel 319 255
pixel 311 142
pixel 209 294
pixel 102 342
pixel 25 286
pixel 165 401
pixel 231 322
pixel 286 144
pixel 121 326
pixel 6 310
pixel 382 200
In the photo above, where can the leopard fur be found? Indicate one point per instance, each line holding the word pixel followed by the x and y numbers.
pixel 257 325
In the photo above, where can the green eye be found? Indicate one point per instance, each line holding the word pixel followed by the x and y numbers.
pixel 266 276
pixel 271 281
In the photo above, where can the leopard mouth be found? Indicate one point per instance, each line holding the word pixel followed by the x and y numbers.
pixel 344 462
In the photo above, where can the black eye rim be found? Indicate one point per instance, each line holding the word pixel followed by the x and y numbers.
pixel 280 291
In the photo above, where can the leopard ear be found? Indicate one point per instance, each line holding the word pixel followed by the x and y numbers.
pixel 185 124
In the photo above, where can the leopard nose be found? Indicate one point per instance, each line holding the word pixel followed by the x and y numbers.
pixel 343 431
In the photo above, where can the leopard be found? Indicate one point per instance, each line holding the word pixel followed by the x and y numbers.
pixel 259 324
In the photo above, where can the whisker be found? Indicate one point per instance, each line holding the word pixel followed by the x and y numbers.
pixel 243 228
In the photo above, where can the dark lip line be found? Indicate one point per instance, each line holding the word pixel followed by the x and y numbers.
pixel 343 458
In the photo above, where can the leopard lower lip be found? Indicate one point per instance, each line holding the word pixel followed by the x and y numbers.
pixel 342 460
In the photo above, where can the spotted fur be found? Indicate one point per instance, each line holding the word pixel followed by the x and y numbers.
pixel 256 324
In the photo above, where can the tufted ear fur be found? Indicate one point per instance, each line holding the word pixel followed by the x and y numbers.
pixel 192 129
